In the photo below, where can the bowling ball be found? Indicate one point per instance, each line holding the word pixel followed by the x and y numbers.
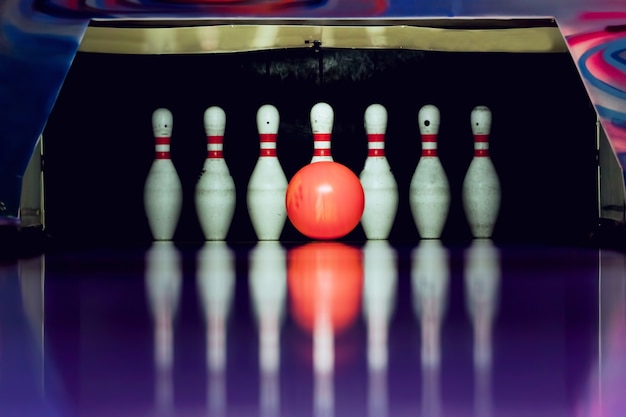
pixel 325 200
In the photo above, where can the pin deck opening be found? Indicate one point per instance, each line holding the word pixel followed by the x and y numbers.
pixel 100 130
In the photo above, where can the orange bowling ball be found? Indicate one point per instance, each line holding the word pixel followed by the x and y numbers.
pixel 325 200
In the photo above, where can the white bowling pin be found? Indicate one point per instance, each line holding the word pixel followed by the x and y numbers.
pixel 215 190
pixel 322 119
pixel 429 192
pixel 481 186
pixel 268 183
pixel 379 184
pixel 163 191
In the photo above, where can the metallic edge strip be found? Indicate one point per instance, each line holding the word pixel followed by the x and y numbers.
pixel 243 38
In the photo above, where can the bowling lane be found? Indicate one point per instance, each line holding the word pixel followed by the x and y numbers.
pixel 318 328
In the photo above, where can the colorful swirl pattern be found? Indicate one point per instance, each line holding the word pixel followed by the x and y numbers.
pixel 600 56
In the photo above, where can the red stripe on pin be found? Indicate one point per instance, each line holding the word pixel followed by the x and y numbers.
pixel 429 152
pixel 321 152
pixel 376 137
pixel 267 137
pixel 214 139
pixel 164 140
pixel 268 152
pixel 162 155
pixel 215 154
pixel 429 138
pixel 481 138
pixel 481 152
pixel 375 152
pixel 321 136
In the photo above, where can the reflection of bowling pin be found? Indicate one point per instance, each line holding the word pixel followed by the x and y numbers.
pixel 163 282
pixel 163 192
pixel 323 364
pixel 380 271
pixel 322 118
pixel 430 275
pixel 481 186
pixel 215 189
pixel 379 184
pixel 268 183
pixel 482 277
pixel 268 287
pixel 429 190
pixel 216 281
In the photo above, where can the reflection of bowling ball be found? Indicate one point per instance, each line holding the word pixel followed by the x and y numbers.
pixel 325 200
pixel 325 278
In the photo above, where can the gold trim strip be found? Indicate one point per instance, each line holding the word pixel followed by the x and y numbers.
pixel 243 38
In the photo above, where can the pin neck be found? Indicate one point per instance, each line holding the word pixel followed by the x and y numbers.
pixel 267 144
pixel 374 152
pixel 215 144
pixel 376 145
pixel 321 152
pixel 481 145
pixel 429 145
pixel 321 146
pixel 162 147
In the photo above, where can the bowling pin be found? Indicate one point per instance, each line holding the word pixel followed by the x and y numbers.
pixel 268 183
pixel 379 184
pixel 322 119
pixel 215 189
pixel 429 192
pixel 481 186
pixel 163 191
